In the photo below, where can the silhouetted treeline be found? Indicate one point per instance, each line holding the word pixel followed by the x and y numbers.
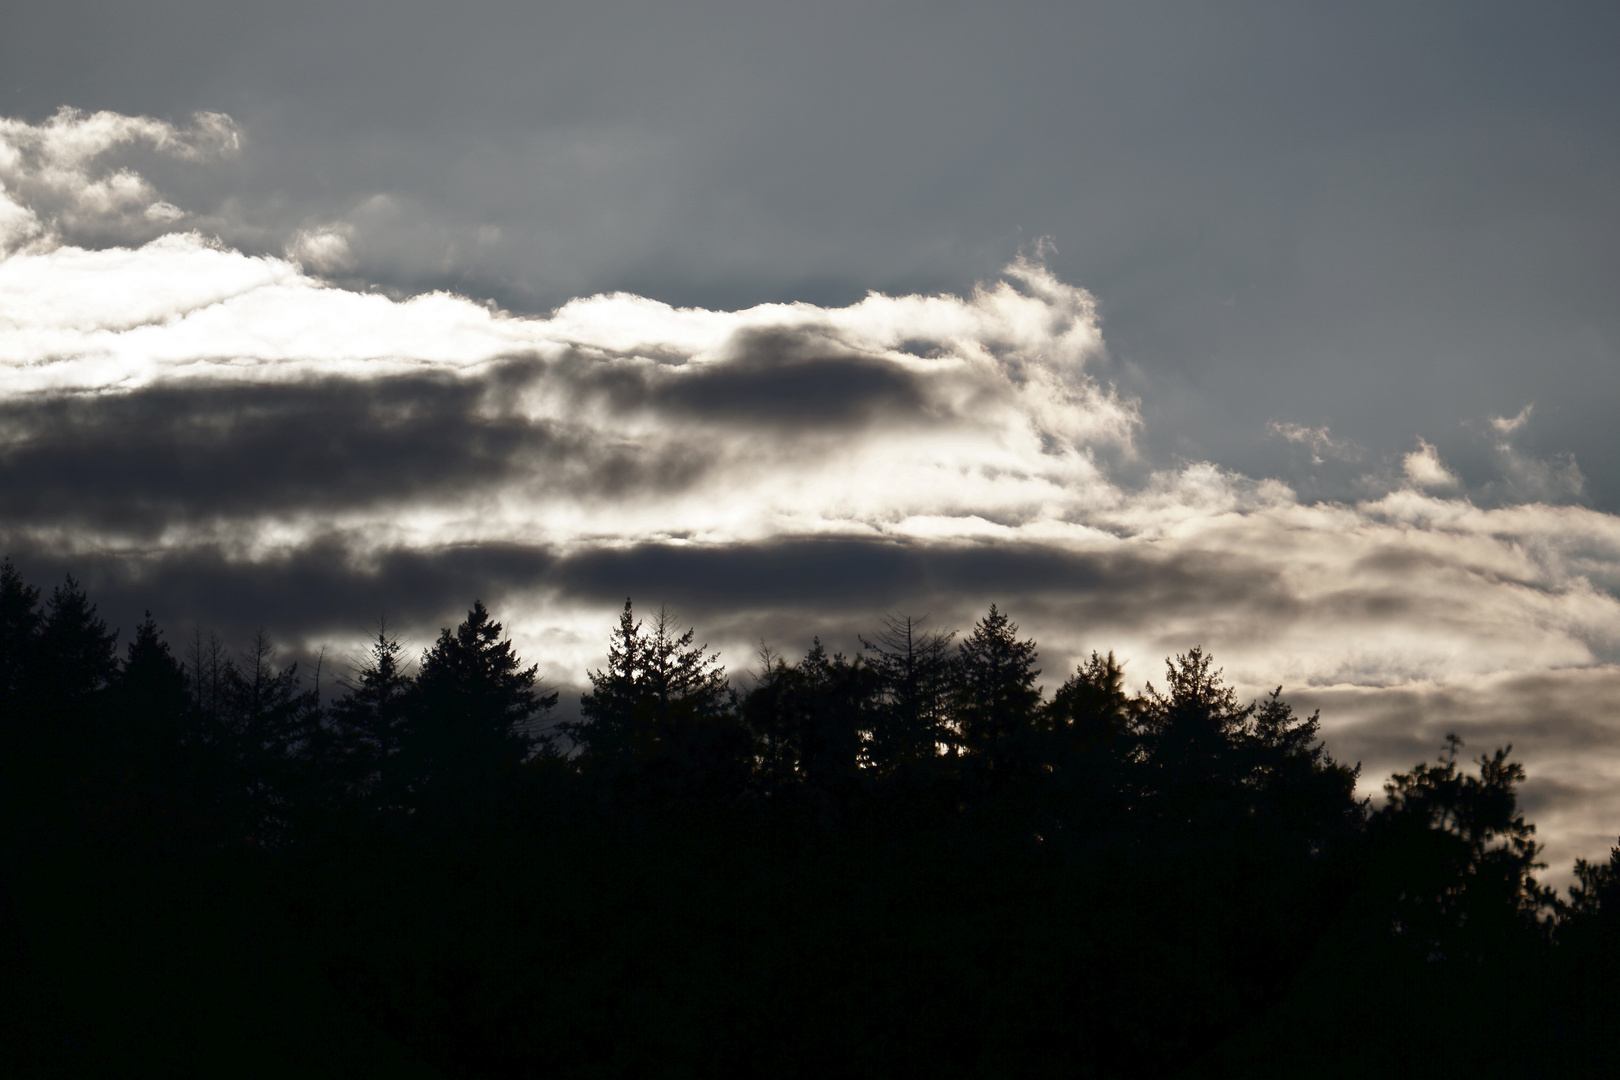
pixel 912 860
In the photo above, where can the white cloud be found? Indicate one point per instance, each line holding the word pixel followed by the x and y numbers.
pixel 1505 425
pixel 1319 440
pixel 324 250
pixel 54 179
pixel 1424 468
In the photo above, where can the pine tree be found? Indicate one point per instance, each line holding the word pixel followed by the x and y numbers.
pixel 834 706
pixel 663 712
pixel 19 634
pixel 996 696
pixel 473 706
pixel 20 729
pixel 913 670
pixel 656 683
pixel 78 654
pixel 1455 859
pixel 151 697
pixel 371 718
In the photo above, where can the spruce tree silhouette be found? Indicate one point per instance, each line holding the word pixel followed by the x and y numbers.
pixel 833 699
pixel 1089 739
pixel 471 710
pixel 372 717
pixel 77 661
pixel 1091 710
pixel 1192 735
pixel 264 727
pixel 770 711
pixel 206 662
pixel 662 711
pixel 619 726
pixel 19 633
pixel 996 697
pixel 19 680
pixel 267 706
pixel 78 653
pixel 1299 798
pixel 914 670
pixel 151 698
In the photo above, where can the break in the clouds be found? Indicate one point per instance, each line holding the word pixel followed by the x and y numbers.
pixel 233 438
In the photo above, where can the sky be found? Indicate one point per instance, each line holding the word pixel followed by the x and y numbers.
pixel 1285 330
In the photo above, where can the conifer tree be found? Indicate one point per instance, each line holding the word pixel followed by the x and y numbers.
pixel 1192 737
pixel 1595 896
pixel 371 718
pixel 769 709
pixel 834 706
pixel 473 705
pixel 20 728
pixel 1455 859
pixel 19 634
pixel 78 654
pixel 655 684
pixel 268 708
pixel 1091 712
pixel 1088 733
pixel 151 696
pixel 913 669
pixel 996 695
pixel 663 710
pixel 76 660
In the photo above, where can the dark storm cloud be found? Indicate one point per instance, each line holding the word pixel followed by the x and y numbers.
pixel 150 459
pixel 758 590
pixel 773 377
pixel 321 588
pixel 777 378
pixel 145 460
pixel 858 578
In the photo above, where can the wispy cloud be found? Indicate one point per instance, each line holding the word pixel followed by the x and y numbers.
pixel 1318 440
pixel 1507 425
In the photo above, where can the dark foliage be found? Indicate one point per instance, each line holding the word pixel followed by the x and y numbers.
pixel 908 862
pixel 470 710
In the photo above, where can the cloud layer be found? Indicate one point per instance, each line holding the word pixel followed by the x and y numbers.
pixel 232 435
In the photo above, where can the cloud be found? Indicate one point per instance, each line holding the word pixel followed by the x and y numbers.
pixel 1503 425
pixel 1319 440
pixel 324 250
pixel 231 439
pixel 1523 477
pixel 1424 468
pixel 54 179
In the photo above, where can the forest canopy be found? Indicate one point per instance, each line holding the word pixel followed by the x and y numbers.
pixel 913 858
